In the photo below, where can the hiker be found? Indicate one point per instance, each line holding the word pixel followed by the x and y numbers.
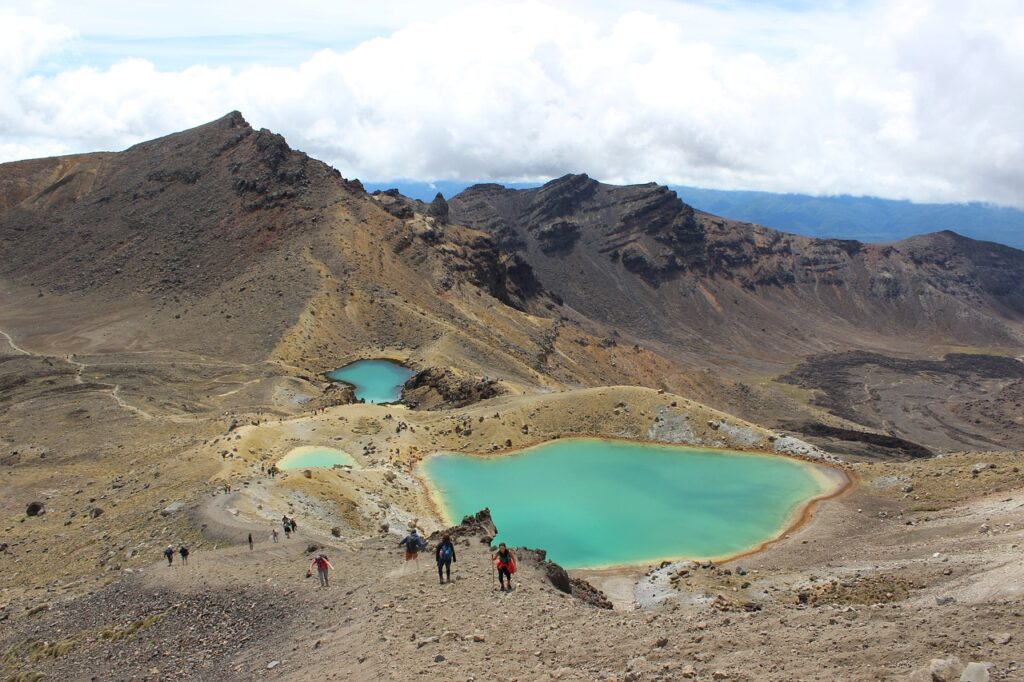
pixel 273 534
pixel 183 551
pixel 287 531
pixel 169 554
pixel 322 567
pixel 505 561
pixel 413 544
pixel 250 542
pixel 445 555
pixel 295 526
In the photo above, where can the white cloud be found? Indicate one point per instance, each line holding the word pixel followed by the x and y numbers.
pixel 915 99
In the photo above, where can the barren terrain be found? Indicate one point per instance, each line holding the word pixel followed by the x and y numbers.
pixel 166 314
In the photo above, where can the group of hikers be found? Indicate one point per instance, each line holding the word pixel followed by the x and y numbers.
pixel 503 559
pixel 182 552
pixel 271 470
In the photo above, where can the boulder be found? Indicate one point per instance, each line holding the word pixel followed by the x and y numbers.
pixel 938 670
pixel 558 577
pixel 34 509
pixel 975 672
pixel 172 508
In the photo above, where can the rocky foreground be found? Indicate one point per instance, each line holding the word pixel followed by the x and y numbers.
pixel 875 587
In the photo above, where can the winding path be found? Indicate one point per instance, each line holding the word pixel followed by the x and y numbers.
pixel 14 346
pixel 114 389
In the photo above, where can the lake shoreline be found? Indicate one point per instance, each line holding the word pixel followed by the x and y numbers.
pixel 371 390
pixel 832 478
pixel 307 450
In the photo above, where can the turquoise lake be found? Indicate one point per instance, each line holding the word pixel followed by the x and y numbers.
pixel 375 381
pixel 594 503
pixel 313 456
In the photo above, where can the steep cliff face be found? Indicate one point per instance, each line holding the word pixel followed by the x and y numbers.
pixel 641 259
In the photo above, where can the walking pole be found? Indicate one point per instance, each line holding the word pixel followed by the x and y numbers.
pixel 494 568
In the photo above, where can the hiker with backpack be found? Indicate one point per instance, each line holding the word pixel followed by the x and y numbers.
pixel 413 544
pixel 322 566
pixel 183 551
pixel 169 554
pixel 505 560
pixel 445 555
pixel 250 542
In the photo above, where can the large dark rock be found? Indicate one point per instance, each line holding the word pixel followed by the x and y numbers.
pixel 437 387
pixel 560 578
pixel 34 509
pixel 478 525
pixel 438 209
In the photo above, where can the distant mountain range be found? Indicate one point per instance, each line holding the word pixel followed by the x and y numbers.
pixel 867 219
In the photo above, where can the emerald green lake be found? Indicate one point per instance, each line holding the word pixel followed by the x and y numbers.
pixel 312 456
pixel 375 381
pixel 593 503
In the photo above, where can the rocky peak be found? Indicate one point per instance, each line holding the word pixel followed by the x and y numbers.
pixel 438 209
pixel 561 197
pixel 177 200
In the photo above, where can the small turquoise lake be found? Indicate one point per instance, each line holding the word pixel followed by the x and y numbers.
pixel 314 456
pixel 594 503
pixel 375 381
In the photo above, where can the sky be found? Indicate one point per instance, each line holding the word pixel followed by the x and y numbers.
pixel 903 99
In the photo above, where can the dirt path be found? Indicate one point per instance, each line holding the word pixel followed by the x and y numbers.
pixel 15 347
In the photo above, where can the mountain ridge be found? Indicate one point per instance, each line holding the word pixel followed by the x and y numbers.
pixel 864 218
pixel 644 232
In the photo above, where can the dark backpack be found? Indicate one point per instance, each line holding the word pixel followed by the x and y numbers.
pixel 447 551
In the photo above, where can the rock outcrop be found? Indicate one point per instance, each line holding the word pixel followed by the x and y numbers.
pixel 439 387
pixel 438 209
